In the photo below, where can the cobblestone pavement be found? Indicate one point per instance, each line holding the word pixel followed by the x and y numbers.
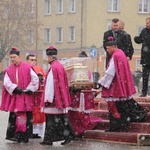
pixel 76 145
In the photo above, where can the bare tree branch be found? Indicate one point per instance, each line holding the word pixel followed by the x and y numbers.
pixel 18 25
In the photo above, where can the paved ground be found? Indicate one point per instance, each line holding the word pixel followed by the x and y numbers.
pixel 77 145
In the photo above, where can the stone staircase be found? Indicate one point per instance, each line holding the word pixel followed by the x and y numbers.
pixel 138 133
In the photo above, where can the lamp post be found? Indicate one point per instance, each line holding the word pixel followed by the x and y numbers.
pixel 97 61
pixel 96 74
pixel 93 54
pixel 99 53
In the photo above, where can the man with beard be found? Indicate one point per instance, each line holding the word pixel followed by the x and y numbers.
pixel 121 37
pixel 130 49
pixel 144 38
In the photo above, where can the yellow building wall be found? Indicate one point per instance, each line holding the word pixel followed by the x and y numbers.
pixel 90 21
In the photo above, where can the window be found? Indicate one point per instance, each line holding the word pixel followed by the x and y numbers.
pixel 29 36
pixel 71 34
pixel 59 6
pixel 109 22
pixel 113 5
pixel 140 29
pixel 144 6
pixel 30 8
pixel 47 35
pixel 72 5
pixel 45 64
pixel 47 7
pixel 138 65
pixel 59 35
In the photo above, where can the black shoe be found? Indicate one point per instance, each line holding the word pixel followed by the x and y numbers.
pixel 68 140
pixel 15 140
pixel 75 138
pixel 108 130
pixel 35 136
pixel 7 138
pixel 11 139
pixel 46 143
pixel 142 95
pixel 19 140
pixel 25 140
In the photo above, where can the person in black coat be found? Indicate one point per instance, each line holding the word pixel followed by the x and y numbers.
pixel 144 38
pixel 130 50
pixel 123 39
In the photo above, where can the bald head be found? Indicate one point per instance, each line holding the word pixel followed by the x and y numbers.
pixel 148 23
pixel 121 25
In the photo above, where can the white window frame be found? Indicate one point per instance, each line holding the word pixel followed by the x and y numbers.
pixel 71 33
pixel 30 8
pixel 47 7
pixel 72 6
pixel 113 5
pixel 109 24
pixel 138 65
pixel 140 28
pixel 59 7
pixel 144 6
pixel 59 34
pixel 47 35
pixel 45 65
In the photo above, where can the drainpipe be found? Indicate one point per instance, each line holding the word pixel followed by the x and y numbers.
pixel 81 42
pixel 36 34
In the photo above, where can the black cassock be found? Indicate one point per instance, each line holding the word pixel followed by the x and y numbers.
pixel 130 111
pixel 57 128
pixel 11 129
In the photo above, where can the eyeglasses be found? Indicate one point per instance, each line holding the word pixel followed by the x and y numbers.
pixel 33 59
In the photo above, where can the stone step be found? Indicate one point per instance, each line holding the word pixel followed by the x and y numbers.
pixel 142 99
pixel 102 105
pixel 134 127
pixel 105 115
pixel 138 99
pixel 118 137
pixel 138 133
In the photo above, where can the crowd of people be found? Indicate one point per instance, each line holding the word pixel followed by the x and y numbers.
pixel 33 97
